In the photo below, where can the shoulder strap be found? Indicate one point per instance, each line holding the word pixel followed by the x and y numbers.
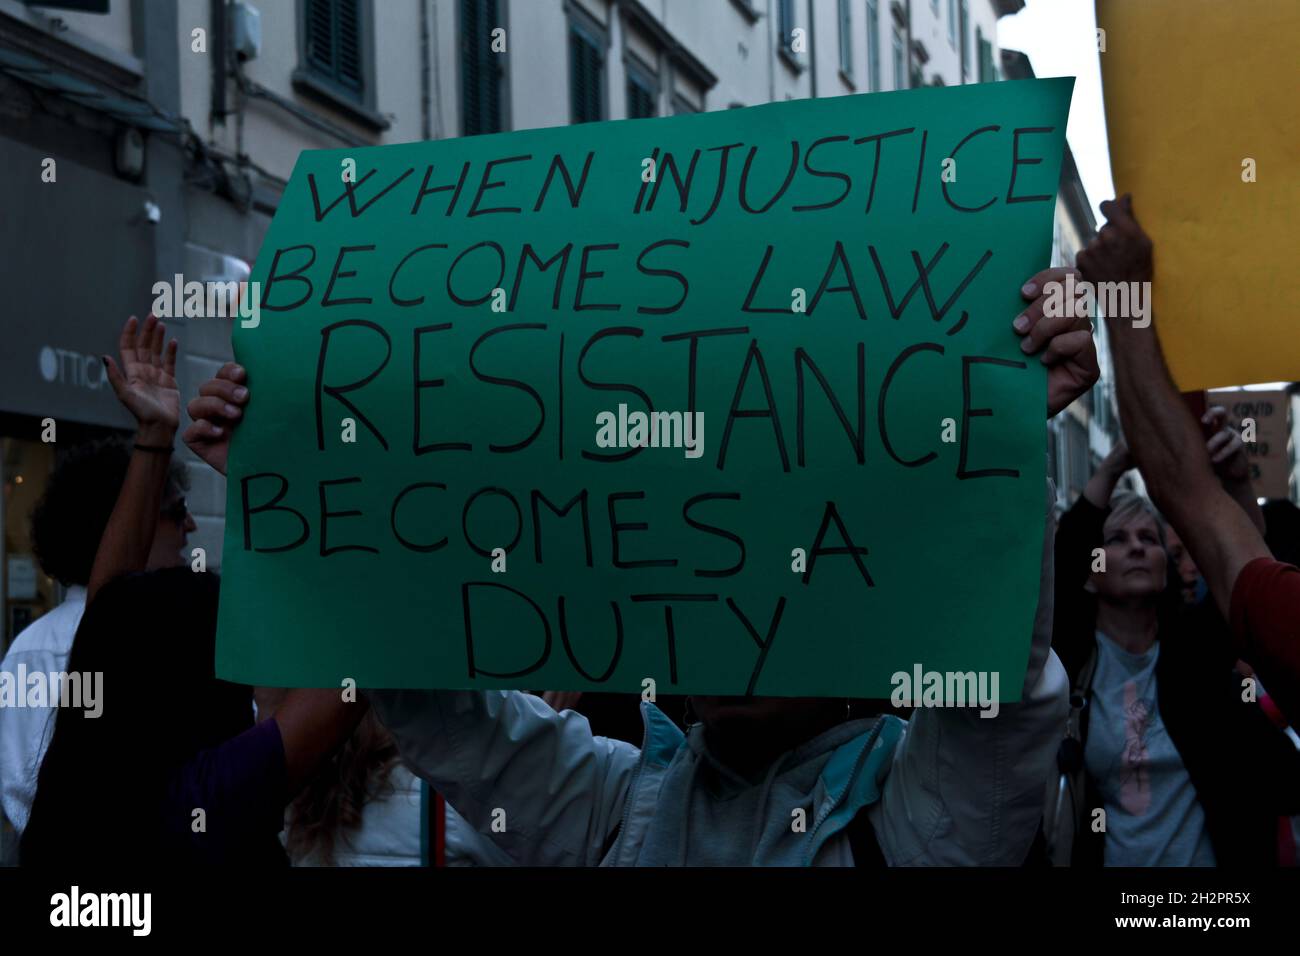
pixel 1067 811
pixel 1079 695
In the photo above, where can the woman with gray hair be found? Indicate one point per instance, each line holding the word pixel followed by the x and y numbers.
pixel 1168 759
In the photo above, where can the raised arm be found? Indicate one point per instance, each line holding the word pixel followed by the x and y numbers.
pixel 1228 457
pixel 1164 437
pixel 1103 481
pixel 145 384
pixel 1262 604
pixel 538 783
pixel 313 723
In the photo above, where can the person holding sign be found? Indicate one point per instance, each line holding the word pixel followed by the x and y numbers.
pixel 756 781
pixel 206 784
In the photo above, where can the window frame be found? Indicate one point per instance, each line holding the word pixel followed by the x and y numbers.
pixel 785 25
pixel 786 16
pixel 988 72
pixel 637 73
pixel 579 21
pixel 361 106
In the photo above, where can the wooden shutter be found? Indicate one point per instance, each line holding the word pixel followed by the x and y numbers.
pixel 586 82
pixel 347 31
pixel 640 99
pixel 481 69
pixel 320 35
pixel 333 48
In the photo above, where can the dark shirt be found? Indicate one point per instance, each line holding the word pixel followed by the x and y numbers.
pixel 240 787
pixel 173 771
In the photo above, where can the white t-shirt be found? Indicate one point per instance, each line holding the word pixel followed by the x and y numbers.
pixel 44 645
pixel 1153 817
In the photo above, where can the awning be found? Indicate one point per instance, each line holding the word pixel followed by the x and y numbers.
pixel 124 108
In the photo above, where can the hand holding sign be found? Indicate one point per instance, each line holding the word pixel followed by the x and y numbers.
pixel 1070 355
pixel 217 409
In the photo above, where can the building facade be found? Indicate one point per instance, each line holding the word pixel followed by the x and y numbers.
pixel 144 140
pixel 147 140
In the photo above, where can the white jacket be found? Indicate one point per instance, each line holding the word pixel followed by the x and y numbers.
pixel 25 732
pixel 947 788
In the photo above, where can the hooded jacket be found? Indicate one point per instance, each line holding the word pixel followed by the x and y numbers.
pixel 948 787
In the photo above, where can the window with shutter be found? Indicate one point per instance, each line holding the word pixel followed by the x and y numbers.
pixel 333 43
pixel 586 75
pixel 482 70
pixel 987 73
pixel 641 95
pixel 347 32
pixel 785 23
pixel 320 35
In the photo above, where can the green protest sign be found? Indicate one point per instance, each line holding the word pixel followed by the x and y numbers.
pixel 727 401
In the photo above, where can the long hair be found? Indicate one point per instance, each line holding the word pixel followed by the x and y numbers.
pixel 331 806
pixel 101 794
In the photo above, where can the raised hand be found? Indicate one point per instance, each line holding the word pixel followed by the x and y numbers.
pixel 216 411
pixel 1119 459
pixel 146 380
pixel 1226 449
pixel 1122 252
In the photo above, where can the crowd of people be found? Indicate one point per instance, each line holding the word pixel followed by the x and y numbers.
pixel 1151 729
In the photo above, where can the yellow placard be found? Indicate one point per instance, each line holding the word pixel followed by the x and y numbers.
pixel 1201 98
